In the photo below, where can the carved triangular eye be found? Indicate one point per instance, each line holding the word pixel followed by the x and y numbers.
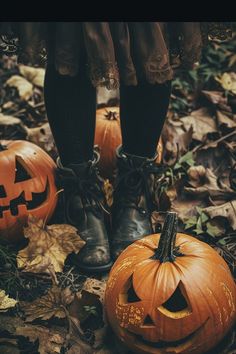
pixel 176 302
pixel 22 172
pixel 128 293
pixel 178 305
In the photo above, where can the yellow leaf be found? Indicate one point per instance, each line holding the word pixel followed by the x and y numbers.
pixel 48 246
pixel 6 302
pixel 33 75
pixel 228 81
pixel 24 87
pixel 108 191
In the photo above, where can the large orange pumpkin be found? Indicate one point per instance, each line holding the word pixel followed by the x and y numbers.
pixel 108 138
pixel 177 298
pixel 26 186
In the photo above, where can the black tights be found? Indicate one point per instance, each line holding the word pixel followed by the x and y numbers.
pixel 71 110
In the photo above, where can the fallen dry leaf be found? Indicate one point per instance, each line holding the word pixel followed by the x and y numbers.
pixel 206 184
pixel 176 140
pixel 33 75
pixel 185 207
pixel 87 312
pixel 42 136
pixel 108 191
pixel 226 210
pixel 6 302
pixel 53 304
pixel 10 125
pixel 224 120
pixel 197 175
pixel 201 122
pixel 50 340
pixel 23 86
pixel 48 246
pixel 216 97
pixel 228 81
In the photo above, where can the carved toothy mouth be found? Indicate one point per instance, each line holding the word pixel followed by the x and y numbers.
pixel 185 342
pixel 37 200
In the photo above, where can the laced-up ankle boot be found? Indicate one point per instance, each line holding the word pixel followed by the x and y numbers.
pixel 85 208
pixel 132 200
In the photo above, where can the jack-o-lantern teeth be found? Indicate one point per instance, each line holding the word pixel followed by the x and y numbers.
pixel 37 199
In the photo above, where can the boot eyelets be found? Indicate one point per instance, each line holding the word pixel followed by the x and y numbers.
pixel 143 211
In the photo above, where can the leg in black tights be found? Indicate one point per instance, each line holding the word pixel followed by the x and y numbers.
pixel 143 110
pixel 71 111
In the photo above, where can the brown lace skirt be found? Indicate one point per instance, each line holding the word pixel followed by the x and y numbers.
pixel 125 51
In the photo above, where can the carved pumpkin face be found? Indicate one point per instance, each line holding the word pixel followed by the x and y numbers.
pixel 181 306
pixel 26 186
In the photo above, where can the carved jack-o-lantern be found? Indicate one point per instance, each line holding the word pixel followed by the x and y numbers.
pixel 177 298
pixel 108 138
pixel 26 186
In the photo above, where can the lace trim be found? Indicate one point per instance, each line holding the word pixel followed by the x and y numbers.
pixel 159 76
pixel 35 55
pixel 104 74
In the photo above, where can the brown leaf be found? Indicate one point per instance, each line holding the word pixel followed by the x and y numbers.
pixel 48 246
pixel 216 97
pixel 10 126
pixel 186 207
pixel 9 346
pixel 87 310
pixel 207 184
pixel 23 86
pixel 108 191
pixel 226 210
pixel 50 340
pixel 197 175
pixel 52 304
pixel 42 136
pixel 6 302
pixel 224 120
pixel 176 140
pixel 201 122
pixel 33 75
pixel 12 341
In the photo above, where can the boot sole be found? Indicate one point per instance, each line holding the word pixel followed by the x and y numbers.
pixel 95 269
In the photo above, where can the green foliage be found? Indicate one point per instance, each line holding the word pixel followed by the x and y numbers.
pixel 215 60
pixel 201 224
pixel 91 310
pixel 178 171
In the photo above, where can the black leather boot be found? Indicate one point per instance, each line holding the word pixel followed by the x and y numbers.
pixel 85 207
pixel 135 191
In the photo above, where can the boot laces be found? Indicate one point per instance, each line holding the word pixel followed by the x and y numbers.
pixel 134 181
pixel 89 189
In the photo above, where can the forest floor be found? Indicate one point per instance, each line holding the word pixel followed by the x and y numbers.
pixel 54 308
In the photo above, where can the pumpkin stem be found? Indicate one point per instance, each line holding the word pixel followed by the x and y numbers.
pixel 166 251
pixel 111 115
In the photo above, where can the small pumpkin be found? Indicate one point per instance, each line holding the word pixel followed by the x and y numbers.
pixel 178 297
pixel 27 186
pixel 108 138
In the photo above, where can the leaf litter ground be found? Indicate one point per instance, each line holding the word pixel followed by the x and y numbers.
pixel 46 304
